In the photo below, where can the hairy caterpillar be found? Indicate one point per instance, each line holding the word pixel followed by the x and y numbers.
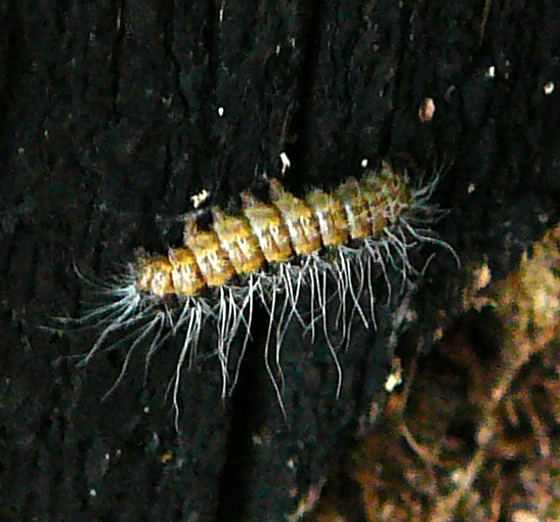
pixel 271 252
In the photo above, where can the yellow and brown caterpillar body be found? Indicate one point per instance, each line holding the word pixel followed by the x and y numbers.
pixel 271 251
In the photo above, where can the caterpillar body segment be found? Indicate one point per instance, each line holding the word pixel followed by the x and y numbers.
pixel 155 276
pixel 331 218
pixel 351 195
pixel 238 240
pixel 310 260
pixel 211 257
pixel 299 218
pixel 269 228
pixel 186 276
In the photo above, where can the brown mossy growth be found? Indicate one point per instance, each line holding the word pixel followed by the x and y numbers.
pixel 473 434
pixel 517 419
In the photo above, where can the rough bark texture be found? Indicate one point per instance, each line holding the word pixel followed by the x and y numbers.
pixel 109 118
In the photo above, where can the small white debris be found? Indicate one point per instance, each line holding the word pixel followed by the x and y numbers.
pixel 395 377
pixel 286 164
pixel 92 492
pixel 522 515
pixel 471 188
pixel 507 63
pixel 491 72
pixel 482 276
pixel 199 198
pixel 392 382
pixel 449 92
pixel 426 110
pixel 364 163
pixel 548 88
pixel 220 111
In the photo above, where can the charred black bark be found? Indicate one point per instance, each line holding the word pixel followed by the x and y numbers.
pixel 111 115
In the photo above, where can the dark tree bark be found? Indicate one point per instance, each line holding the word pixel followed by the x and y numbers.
pixel 110 117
